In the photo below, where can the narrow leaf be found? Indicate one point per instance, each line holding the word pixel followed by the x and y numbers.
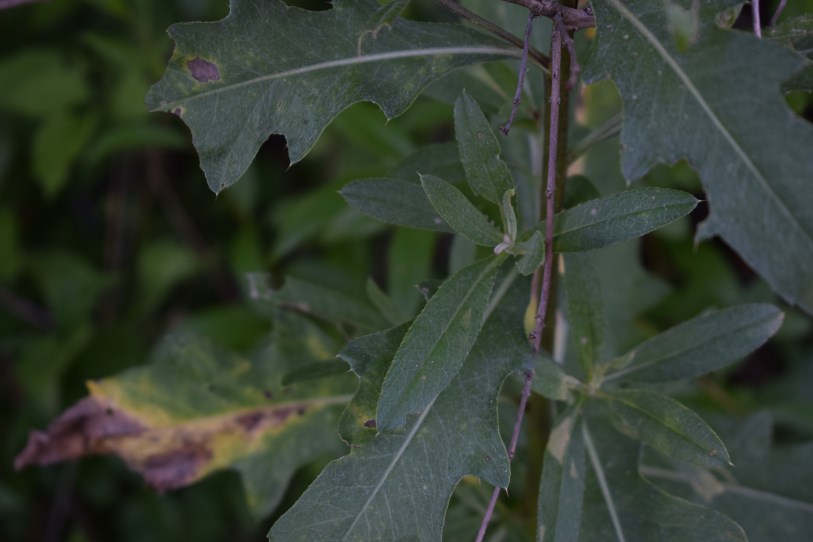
pixel 701 345
pixel 437 343
pixel 620 217
pixel 397 486
pixel 752 154
pixel 487 174
pixel 394 201
pixel 585 308
pixel 770 493
pixel 561 490
pixel 261 71
pixel 459 213
pixel 620 505
pixel 669 427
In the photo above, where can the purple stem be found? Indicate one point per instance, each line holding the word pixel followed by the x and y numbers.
pixel 523 66
pixel 755 16
pixel 547 272
pixel 778 12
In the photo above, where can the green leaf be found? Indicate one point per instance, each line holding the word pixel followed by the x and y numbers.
pixel 620 217
pixel 769 493
pixel 408 263
pixel 40 83
pixel 314 299
pixel 620 505
pixel 701 345
pixel 436 344
pixel 397 486
pixel 385 305
pixel 752 154
pixel 551 381
pixel 394 201
pixel 793 30
pixel 533 253
pixel 669 427
pixel 261 71
pixel 486 173
pixel 58 143
pixel 561 490
pixel 369 358
pixel 196 409
pixel 459 213
pixel 585 309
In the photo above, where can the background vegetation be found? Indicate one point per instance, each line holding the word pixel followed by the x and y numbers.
pixel 110 238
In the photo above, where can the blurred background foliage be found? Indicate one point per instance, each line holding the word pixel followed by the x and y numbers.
pixel 109 238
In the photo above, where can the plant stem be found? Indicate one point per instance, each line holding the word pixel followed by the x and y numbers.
pixel 535 54
pixel 572 18
pixel 557 40
pixel 529 27
pixel 755 16
pixel 778 12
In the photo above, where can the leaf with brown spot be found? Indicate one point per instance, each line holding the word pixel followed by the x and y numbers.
pixel 194 410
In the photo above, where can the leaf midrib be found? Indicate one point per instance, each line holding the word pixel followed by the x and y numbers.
pixel 364 59
pixel 661 359
pixel 695 92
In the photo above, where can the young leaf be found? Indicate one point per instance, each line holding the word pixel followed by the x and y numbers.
pixel 620 217
pixel 436 344
pixel 533 253
pixel 701 345
pixel 194 410
pixel 585 309
pixel 752 153
pixel 459 213
pixel 394 201
pixel 669 427
pixel 620 505
pixel 261 70
pixel 487 174
pixel 561 490
pixel 397 486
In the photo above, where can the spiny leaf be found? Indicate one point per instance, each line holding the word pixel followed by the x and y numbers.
pixel 397 486
pixel 620 217
pixel 669 427
pixel 436 344
pixel 487 174
pixel 459 213
pixel 271 68
pixel 752 153
pixel 561 490
pixel 195 410
pixel 701 345
pixel 620 505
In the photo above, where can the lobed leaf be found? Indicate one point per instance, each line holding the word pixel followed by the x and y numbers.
pixel 459 213
pixel 397 486
pixel 669 427
pixel 486 173
pixel 701 345
pixel 619 217
pixel 261 71
pixel 436 344
pixel 194 410
pixel 752 152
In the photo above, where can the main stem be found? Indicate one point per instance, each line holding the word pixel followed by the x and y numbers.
pixel 547 269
